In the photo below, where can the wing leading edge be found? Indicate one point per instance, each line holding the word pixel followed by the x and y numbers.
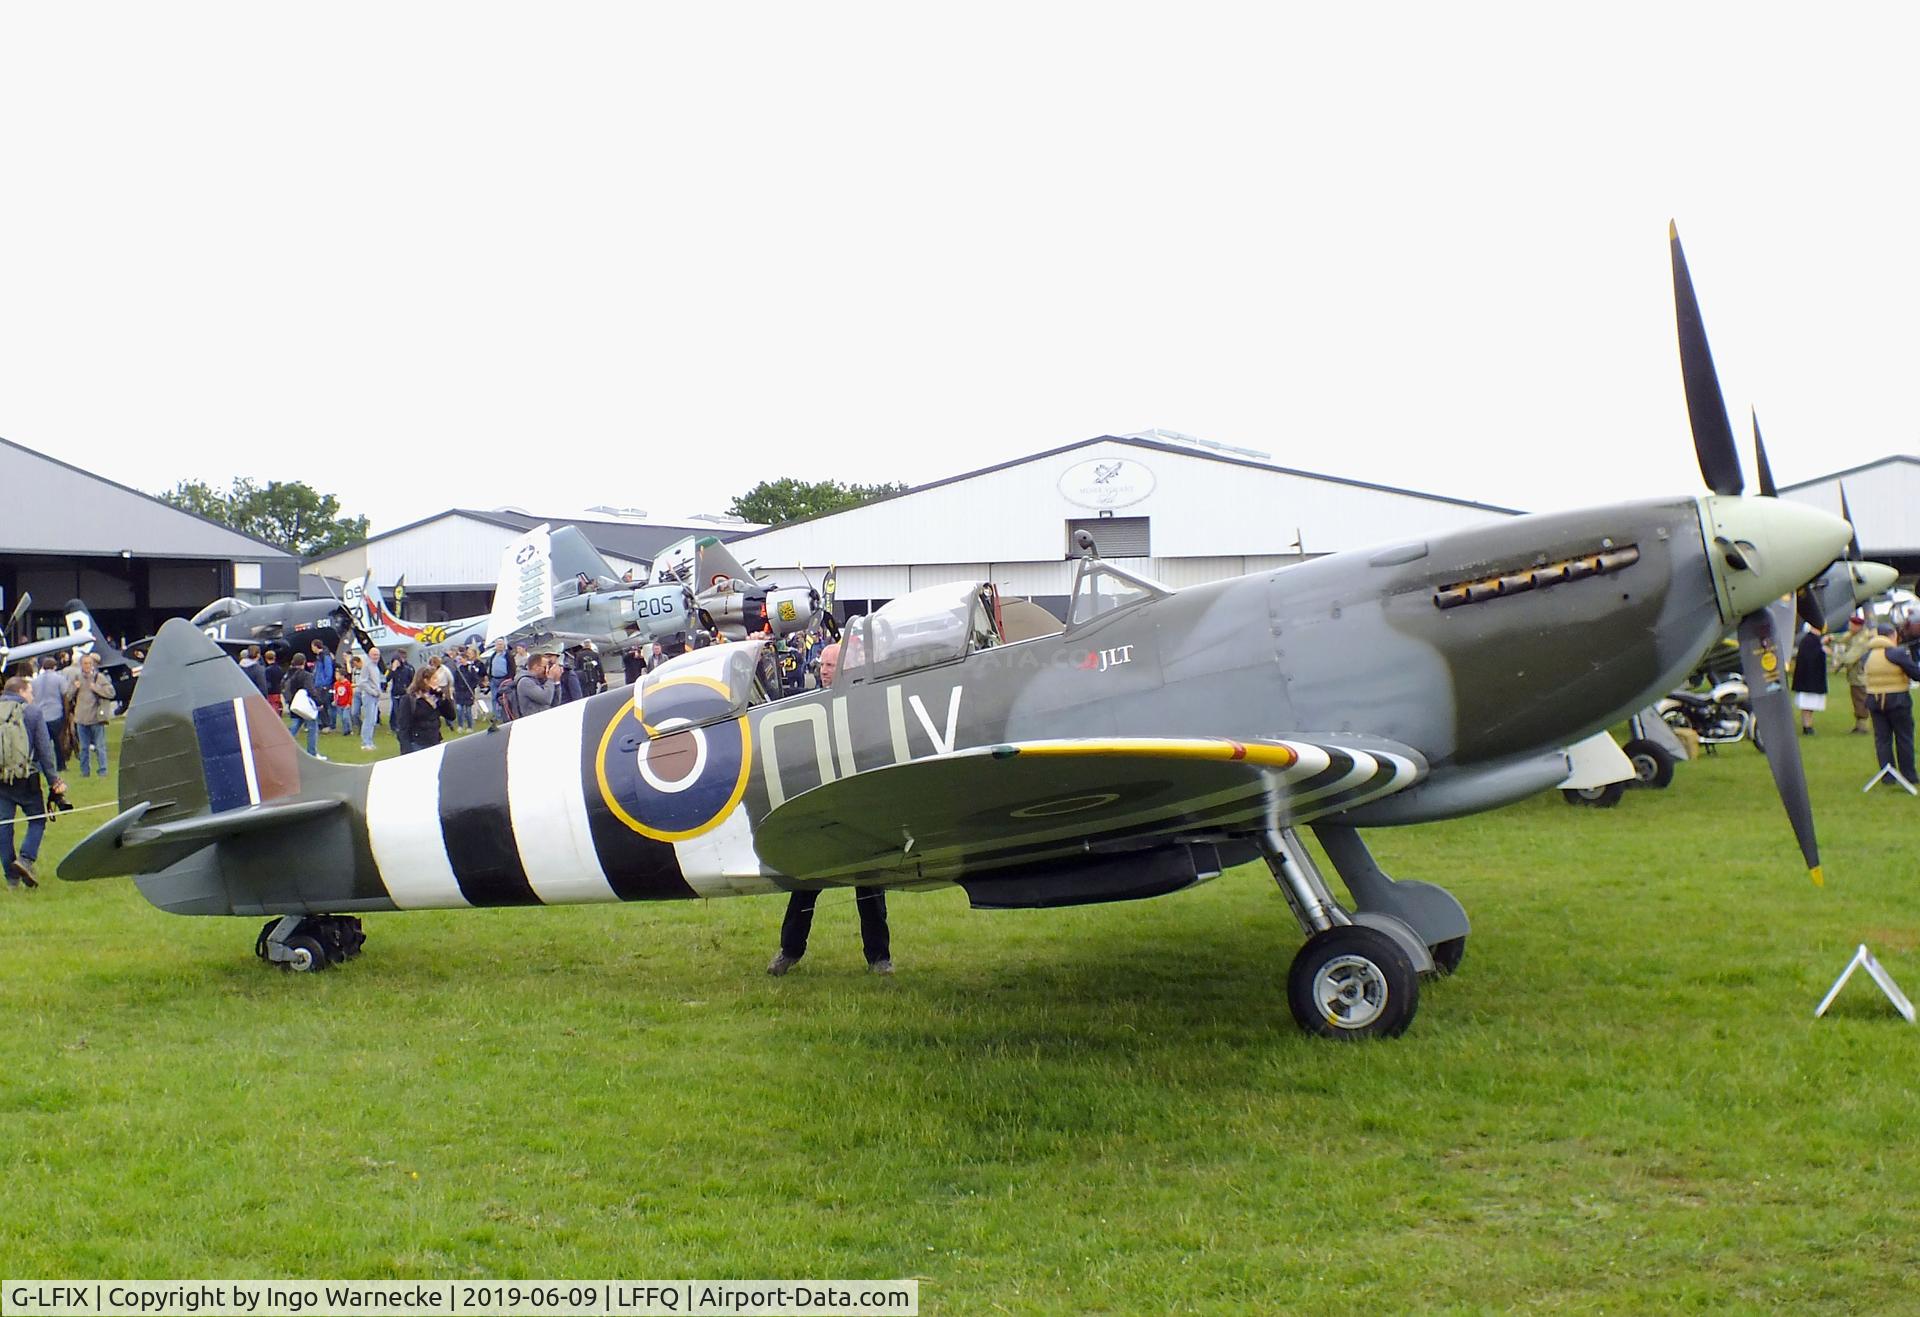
pixel 1002 805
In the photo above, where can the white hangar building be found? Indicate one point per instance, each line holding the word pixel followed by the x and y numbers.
pixel 451 560
pixel 1884 500
pixel 1174 508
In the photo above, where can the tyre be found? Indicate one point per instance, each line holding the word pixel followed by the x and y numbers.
pixel 1448 955
pixel 1651 765
pixel 1605 797
pixel 305 955
pixel 1353 982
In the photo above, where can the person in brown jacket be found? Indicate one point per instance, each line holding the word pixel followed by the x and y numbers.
pixel 92 706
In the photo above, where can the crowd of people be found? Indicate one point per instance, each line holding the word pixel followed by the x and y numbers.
pixel 1880 662
pixel 328 693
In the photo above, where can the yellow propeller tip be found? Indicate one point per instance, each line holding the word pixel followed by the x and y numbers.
pixel 1819 878
pixel 1673 231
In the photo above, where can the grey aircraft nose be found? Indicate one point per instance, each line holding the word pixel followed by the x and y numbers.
pixel 1763 548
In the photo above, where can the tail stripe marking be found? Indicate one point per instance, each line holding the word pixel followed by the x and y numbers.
pixel 547 802
pixel 274 772
pixel 246 749
pixel 403 827
pixel 221 760
pixel 478 833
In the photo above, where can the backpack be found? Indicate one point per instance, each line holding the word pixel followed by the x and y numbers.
pixel 16 743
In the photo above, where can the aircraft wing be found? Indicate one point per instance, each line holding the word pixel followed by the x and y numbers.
pixel 1003 804
pixel 77 641
pixel 524 594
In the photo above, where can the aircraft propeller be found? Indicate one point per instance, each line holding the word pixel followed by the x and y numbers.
pixel 1760 656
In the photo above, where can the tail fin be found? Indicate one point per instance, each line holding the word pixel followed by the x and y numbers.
pixel 523 595
pixel 80 623
pixel 368 610
pixel 204 758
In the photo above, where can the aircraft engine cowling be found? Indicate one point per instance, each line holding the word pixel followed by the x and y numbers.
pixel 791 610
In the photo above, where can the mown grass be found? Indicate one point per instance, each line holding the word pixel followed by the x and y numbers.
pixel 1622 1102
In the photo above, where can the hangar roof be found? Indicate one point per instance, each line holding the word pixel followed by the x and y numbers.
pixel 1883 496
pixel 1203 502
pixel 1138 441
pixel 47 505
pixel 633 541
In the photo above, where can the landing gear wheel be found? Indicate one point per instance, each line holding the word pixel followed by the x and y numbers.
pixel 1353 982
pixel 304 955
pixel 1448 955
pixel 1651 765
pixel 1605 797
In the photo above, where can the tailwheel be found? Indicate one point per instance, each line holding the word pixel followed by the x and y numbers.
pixel 303 955
pixel 1352 982
pixel 306 944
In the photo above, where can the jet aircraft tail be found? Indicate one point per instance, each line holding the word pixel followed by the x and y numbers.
pixel 213 788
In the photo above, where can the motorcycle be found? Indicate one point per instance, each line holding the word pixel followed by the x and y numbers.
pixel 1721 716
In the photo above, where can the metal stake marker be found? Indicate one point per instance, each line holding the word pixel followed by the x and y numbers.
pixel 1863 957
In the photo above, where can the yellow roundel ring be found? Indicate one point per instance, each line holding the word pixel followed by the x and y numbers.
pixel 699 800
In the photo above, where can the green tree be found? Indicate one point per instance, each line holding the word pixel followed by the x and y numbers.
pixel 789 499
pixel 290 513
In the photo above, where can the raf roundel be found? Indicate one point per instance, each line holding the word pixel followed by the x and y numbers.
pixel 676 768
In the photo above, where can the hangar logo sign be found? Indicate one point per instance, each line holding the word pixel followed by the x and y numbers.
pixel 1112 482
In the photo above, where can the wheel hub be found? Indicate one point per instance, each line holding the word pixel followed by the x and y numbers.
pixel 1351 991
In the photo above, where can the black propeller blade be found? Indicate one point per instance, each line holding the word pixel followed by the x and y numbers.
pixel 1767 489
pixel 1766 676
pixel 1706 409
pixel 1853 545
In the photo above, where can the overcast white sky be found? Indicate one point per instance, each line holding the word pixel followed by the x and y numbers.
pixel 428 255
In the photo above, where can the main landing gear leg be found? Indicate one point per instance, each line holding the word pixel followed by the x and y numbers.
pixel 1431 912
pixel 307 944
pixel 1358 976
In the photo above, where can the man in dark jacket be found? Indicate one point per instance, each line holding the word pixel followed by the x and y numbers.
pixel 322 665
pixel 297 680
pixel 535 691
pixel 570 686
pixel 26 755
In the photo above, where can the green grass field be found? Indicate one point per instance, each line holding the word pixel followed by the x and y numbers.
pixel 1621 1103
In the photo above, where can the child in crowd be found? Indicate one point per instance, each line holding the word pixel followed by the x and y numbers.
pixel 343 701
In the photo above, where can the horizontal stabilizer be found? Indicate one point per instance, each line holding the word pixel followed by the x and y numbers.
pixel 126 846
pixel 999 805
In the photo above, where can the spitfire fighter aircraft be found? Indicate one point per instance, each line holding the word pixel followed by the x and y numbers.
pixel 1157 739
